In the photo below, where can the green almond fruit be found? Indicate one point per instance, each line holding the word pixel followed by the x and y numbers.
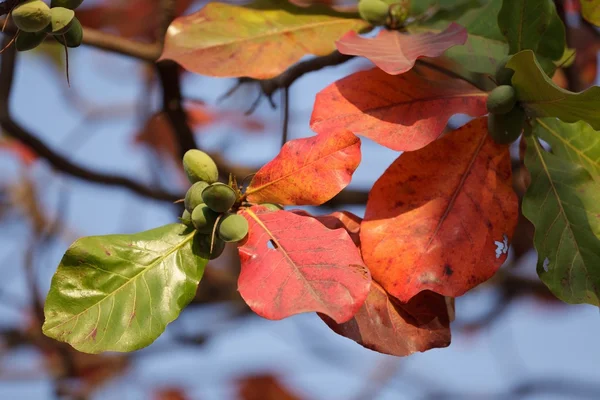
pixel 232 228
pixel 272 206
pixel 203 218
pixel 199 166
pixel 193 197
pixel 504 75
pixel 373 11
pixel 74 37
pixel 186 218
pixel 29 40
pixel 62 20
pixel 506 128
pixel 219 197
pixel 502 99
pixel 32 16
pixel 203 243
pixel 70 4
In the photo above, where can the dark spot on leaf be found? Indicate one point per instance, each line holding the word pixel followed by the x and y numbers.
pixel 448 271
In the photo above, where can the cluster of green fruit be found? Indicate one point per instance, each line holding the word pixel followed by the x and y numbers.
pixel 382 12
pixel 208 204
pixel 506 116
pixel 36 20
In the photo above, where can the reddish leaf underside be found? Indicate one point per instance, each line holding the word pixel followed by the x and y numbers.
pixel 441 218
pixel 403 112
pixel 336 220
pixel 307 171
pixel 293 264
pixel 388 326
pixel 395 52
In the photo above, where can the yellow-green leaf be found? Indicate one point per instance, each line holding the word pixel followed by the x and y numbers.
pixel 576 142
pixel 260 40
pixel 119 292
pixel 590 9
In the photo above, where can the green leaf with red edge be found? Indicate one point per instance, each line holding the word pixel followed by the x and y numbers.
pixel 308 171
pixel 388 326
pixel 395 52
pixel 441 218
pixel 293 264
pixel 260 40
pixel 403 112
pixel 338 219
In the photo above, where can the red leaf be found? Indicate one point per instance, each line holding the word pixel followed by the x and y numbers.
pixel 336 220
pixel 396 52
pixel 388 326
pixel 307 171
pixel 441 218
pixel 402 112
pixel 308 267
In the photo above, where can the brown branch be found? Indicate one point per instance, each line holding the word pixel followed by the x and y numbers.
pixel 120 45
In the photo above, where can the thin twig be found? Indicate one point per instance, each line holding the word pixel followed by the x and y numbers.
pixel 285 100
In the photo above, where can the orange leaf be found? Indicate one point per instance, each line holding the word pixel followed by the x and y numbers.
pixel 260 40
pixel 402 112
pixel 24 153
pixel 441 218
pixel 388 326
pixel 307 171
pixel 395 52
pixel 293 264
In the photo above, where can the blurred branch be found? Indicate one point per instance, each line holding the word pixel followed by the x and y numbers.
pixel 548 385
pixel 7 6
pixel 59 162
pixel 120 45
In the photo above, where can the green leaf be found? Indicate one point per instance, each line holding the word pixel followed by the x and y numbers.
pixel 485 46
pixel 541 97
pixel 563 203
pixel 260 40
pixel 532 25
pixel 590 9
pixel 576 142
pixel 119 292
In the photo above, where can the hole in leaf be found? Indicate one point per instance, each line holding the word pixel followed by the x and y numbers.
pixel 546 264
pixel 272 245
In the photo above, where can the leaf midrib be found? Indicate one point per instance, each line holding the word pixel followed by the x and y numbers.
pixel 309 26
pixel 113 293
pixel 251 191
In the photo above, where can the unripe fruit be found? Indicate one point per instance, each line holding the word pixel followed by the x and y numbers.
pixel 186 218
pixel 373 11
pixel 193 197
pixel 233 228
pixel 32 16
pixel 74 36
pixel 219 197
pixel 29 40
pixel 204 218
pixel 199 166
pixel 62 20
pixel 501 100
pixel 272 206
pixel 203 243
pixel 504 75
pixel 70 4
pixel 506 128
